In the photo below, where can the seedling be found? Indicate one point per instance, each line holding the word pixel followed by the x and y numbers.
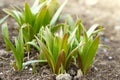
pixel 40 14
pixel 6 34
pixel 89 38
pixel 57 48
pixel 91 41
pixel 18 49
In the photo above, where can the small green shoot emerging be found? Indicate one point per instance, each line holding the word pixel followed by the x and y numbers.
pixel 18 49
pixel 6 34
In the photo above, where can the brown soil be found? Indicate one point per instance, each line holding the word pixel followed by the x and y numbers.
pixel 107 61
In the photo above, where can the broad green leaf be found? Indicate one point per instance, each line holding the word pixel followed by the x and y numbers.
pixel 60 60
pixel 47 54
pixel 49 39
pixel 21 44
pixel 91 53
pixel 15 14
pixel 18 61
pixel 47 19
pixel 19 49
pixel 39 19
pixel 79 30
pixel 29 17
pixel 56 47
pixel 52 6
pixel 64 43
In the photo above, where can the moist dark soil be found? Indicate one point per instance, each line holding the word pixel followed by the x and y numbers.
pixel 106 65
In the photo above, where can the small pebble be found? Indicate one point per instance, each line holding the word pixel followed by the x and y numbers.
pixel 1 73
pixel 116 75
pixel 65 76
pixel 79 75
pixel 26 67
pixel 105 50
pixel 110 57
pixel 117 28
pixel 30 69
pixel 45 72
pixel 72 72
pixel 96 68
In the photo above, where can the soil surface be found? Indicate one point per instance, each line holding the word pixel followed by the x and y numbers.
pixel 107 61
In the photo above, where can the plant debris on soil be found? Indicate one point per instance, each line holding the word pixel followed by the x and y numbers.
pixel 106 65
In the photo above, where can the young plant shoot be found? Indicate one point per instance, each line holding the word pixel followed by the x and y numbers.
pixel 57 48
pixel 40 14
pixel 91 40
pixel 18 49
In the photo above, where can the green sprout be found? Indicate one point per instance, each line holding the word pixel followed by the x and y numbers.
pixel 6 34
pixel 18 49
pixel 40 14
pixel 57 48
pixel 91 40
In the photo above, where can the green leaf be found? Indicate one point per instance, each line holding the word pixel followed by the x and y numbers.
pixel 5 33
pixel 56 47
pixel 15 14
pixel 56 15
pixel 26 28
pixel 73 52
pixel 57 27
pixel 94 29
pixel 79 30
pixel 91 53
pixel 33 43
pixel 60 61
pixel 70 22
pixel 64 44
pixel 18 51
pixel 49 40
pixel 72 37
pixel 47 54
pixel 29 17
pixel 33 61
pixel 39 19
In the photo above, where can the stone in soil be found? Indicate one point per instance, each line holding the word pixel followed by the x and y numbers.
pixel 65 76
